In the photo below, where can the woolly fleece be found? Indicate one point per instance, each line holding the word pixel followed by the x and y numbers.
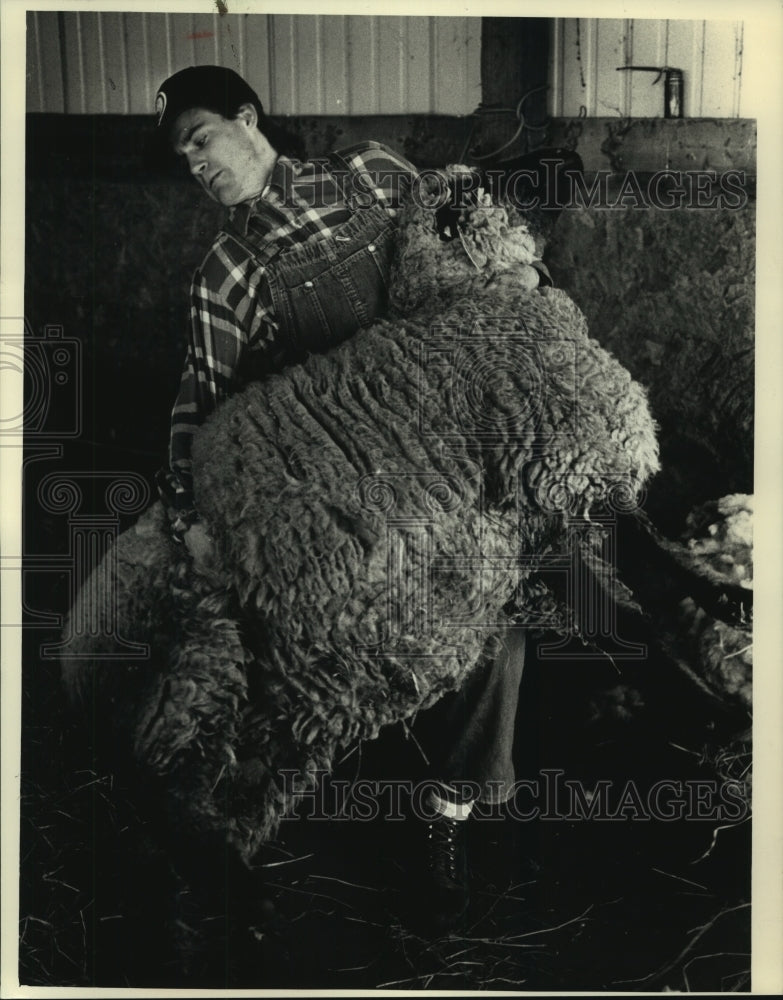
pixel 374 510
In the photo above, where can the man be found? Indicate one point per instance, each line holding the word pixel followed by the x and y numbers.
pixel 302 263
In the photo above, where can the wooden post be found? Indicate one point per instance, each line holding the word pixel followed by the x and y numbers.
pixel 514 61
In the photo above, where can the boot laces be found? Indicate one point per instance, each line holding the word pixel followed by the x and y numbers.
pixel 443 840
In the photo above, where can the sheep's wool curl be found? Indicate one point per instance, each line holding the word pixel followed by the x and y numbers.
pixel 374 509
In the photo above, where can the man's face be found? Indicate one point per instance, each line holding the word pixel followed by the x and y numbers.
pixel 229 158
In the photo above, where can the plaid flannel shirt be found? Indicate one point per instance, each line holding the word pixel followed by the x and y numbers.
pixel 231 311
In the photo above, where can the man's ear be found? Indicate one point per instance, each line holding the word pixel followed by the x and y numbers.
pixel 248 113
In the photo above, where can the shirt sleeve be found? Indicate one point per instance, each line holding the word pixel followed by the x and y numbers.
pixel 216 344
pixel 388 176
pixel 392 178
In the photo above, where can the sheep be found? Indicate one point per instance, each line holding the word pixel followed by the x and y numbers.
pixel 376 511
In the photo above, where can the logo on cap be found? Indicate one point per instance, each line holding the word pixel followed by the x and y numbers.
pixel 160 105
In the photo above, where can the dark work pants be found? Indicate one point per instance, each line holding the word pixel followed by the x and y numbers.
pixel 468 736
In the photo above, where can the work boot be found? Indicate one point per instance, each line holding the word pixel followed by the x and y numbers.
pixel 442 890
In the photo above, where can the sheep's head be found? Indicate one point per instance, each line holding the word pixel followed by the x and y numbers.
pixel 483 240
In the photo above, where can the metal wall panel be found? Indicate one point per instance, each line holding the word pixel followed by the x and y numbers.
pixel 116 89
pixel 87 62
pixel 646 46
pixel 392 92
pixel 721 70
pixel 586 52
pixel 608 53
pixel 334 81
pixel 35 84
pixel 685 49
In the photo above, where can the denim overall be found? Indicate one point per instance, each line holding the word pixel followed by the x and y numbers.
pixel 326 289
pixel 323 291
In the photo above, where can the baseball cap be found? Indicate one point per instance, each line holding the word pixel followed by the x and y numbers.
pixel 212 87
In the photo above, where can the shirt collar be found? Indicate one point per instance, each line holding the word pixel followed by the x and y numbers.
pixel 280 180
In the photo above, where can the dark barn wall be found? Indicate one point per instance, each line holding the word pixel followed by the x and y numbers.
pixel 110 263
pixel 671 294
pixel 671 291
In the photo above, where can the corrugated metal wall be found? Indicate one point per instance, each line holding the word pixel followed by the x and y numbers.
pixel 99 63
pixel 94 63
pixel 586 52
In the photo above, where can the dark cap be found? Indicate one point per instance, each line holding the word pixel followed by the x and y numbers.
pixel 214 88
